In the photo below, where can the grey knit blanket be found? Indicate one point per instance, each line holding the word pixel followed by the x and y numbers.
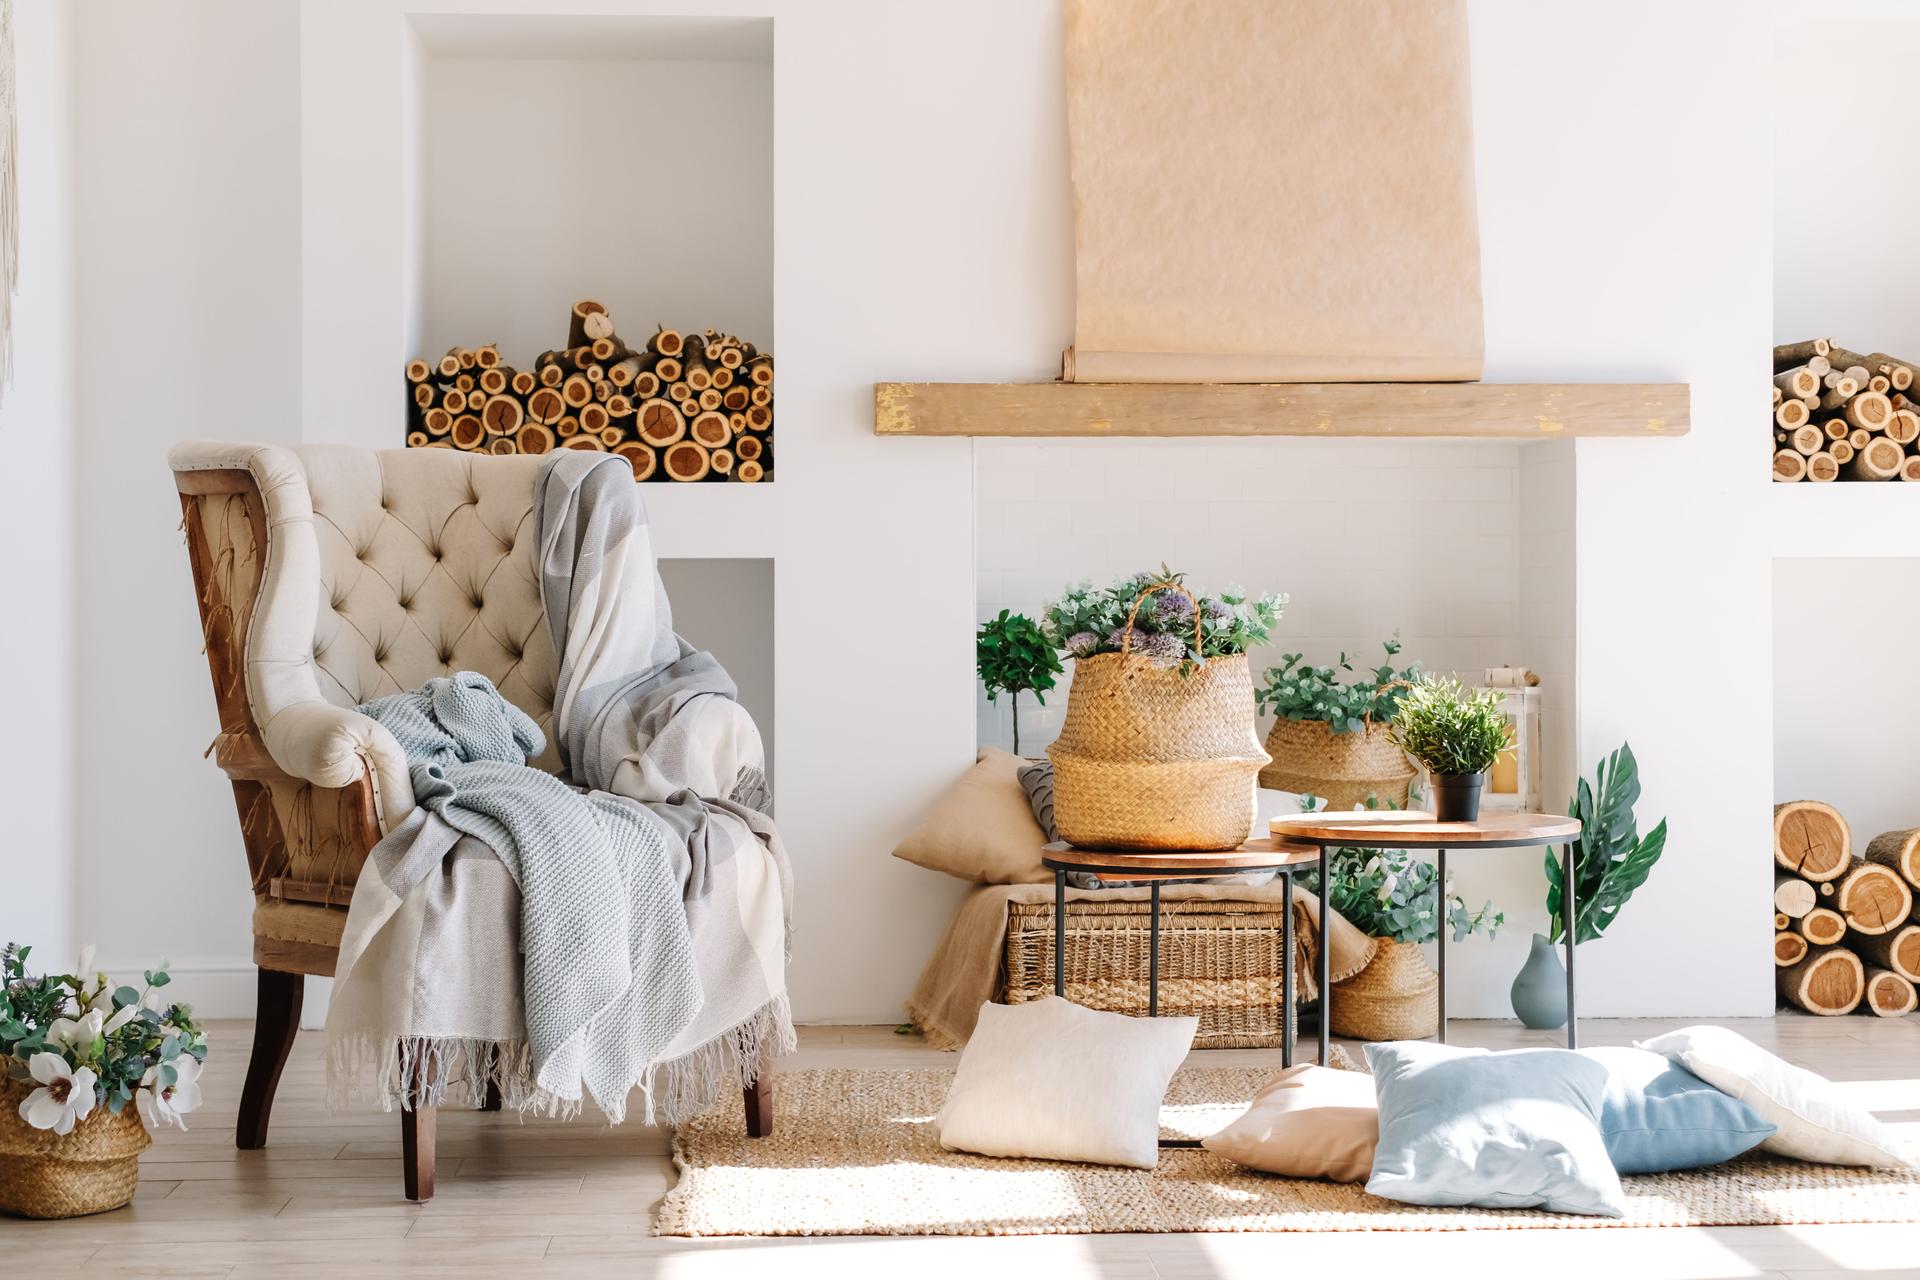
pixel 607 960
pixel 622 927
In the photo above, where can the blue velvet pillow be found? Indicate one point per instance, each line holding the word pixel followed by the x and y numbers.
pixel 1658 1117
pixel 1512 1130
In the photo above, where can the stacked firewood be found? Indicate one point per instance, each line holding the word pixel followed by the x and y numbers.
pixel 1845 932
pixel 1838 415
pixel 680 407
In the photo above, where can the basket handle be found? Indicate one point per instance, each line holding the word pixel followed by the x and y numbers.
pixel 1126 634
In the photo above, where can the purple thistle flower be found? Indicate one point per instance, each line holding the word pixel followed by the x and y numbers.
pixel 1082 643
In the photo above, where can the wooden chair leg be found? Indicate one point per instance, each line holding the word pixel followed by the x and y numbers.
pixel 759 1096
pixel 276 1021
pixel 416 1152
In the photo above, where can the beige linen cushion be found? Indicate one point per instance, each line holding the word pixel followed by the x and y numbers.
pixel 981 828
pixel 1054 1081
pixel 1306 1122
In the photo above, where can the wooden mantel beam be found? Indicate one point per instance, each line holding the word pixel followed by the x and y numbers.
pixel 1478 410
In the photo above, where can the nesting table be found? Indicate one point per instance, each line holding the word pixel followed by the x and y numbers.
pixel 1284 856
pixel 1396 830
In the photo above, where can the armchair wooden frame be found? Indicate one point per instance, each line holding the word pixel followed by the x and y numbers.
pixel 225 521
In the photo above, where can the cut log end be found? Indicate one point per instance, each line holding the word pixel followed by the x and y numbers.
pixel 1823 468
pixel 1873 898
pixel 1889 995
pixel 685 461
pixel 1823 927
pixel 1811 840
pixel 1789 466
pixel 1793 897
pixel 1828 982
pixel 1899 851
pixel 1898 950
pixel 1788 949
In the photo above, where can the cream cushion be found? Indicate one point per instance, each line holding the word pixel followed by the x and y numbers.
pixel 1054 1081
pixel 385 569
pixel 1812 1120
pixel 982 828
pixel 1306 1122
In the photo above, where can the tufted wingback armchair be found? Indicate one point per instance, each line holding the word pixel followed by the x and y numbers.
pixel 328 576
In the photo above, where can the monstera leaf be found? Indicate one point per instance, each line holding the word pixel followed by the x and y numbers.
pixel 1611 858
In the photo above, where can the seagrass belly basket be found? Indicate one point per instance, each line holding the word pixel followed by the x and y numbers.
pixel 1157 757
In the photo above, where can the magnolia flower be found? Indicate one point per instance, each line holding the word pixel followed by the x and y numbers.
pixel 85 968
pixel 169 1102
pixel 77 1035
pixel 65 1095
pixel 121 1019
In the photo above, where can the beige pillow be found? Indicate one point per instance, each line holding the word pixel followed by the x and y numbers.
pixel 981 828
pixel 1306 1122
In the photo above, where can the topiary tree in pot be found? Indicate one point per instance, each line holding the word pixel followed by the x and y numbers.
pixel 1013 657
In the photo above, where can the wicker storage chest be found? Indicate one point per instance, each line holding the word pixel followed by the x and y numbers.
pixel 1220 960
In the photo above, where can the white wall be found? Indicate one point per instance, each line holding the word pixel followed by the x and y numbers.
pixel 645 184
pixel 1624 159
pixel 37 520
pixel 1846 259
pixel 244 249
pixel 188 305
pixel 1369 539
pixel 1847 714
pixel 727 608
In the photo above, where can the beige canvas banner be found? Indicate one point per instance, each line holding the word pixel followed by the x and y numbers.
pixel 1272 191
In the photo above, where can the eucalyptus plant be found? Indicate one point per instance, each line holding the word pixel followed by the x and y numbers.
pixel 1450 728
pixel 1014 656
pixel 1295 692
pixel 1388 893
pixel 1610 858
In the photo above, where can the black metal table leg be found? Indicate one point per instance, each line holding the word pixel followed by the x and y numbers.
pixel 1153 955
pixel 1286 970
pixel 1325 962
pixel 1440 934
pixel 1060 933
pixel 1573 944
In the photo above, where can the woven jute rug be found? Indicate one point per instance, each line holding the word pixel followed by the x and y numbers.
pixel 855 1153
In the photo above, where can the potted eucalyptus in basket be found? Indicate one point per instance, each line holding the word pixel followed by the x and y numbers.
pixel 82 1063
pixel 1390 895
pixel 1159 749
pixel 1329 735
pixel 1610 860
pixel 1014 656
pixel 1456 733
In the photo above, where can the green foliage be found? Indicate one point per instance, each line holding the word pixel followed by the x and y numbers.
pixel 1014 656
pixel 154 1032
pixel 1296 692
pixel 1088 620
pixel 1450 728
pixel 1611 858
pixel 1387 893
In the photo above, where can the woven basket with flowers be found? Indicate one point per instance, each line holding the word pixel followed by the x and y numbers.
pixel 83 1063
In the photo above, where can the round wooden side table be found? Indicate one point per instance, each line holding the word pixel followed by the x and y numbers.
pixel 1367 829
pixel 1154 866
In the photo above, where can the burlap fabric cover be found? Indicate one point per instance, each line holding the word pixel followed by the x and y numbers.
pixel 91 1170
pixel 1152 757
pixel 1343 769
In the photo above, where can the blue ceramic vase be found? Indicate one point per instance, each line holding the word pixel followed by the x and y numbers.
pixel 1540 991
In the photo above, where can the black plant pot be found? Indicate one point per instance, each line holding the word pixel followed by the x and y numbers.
pixel 1456 796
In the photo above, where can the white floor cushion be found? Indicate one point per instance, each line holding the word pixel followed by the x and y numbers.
pixel 1054 1081
pixel 1813 1121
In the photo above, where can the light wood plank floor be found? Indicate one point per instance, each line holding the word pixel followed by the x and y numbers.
pixel 544 1198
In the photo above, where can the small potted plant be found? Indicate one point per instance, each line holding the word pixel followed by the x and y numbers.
pixel 1390 895
pixel 1014 656
pixel 75 1051
pixel 1329 734
pixel 1456 733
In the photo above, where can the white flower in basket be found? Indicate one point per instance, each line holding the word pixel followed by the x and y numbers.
pixel 85 1043
pixel 65 1095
